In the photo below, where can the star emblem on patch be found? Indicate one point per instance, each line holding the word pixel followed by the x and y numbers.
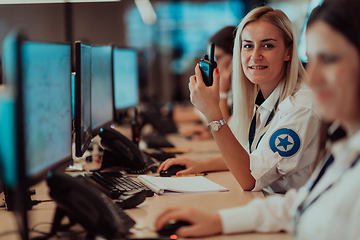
pixel 285 141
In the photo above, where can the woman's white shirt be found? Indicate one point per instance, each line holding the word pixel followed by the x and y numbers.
pixel 283 157
pixel 334 215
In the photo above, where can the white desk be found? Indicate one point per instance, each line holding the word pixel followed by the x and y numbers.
pixel 146 213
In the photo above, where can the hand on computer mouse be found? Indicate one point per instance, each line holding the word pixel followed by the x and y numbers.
pixel 171 227
pixel 191 165
pixel 202 224
pixel 172 170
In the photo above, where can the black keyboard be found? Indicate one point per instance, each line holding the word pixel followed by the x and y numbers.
pixel 113 184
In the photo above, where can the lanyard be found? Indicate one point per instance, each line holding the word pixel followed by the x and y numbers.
pixel 302 208
pixel 253 122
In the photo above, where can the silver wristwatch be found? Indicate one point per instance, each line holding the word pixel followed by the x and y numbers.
pixel 216 125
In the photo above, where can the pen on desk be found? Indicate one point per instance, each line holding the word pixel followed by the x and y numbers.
pixel 190 175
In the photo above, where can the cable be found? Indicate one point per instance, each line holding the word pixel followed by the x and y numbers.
pixel 58 234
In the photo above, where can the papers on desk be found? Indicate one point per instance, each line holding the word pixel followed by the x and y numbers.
pixel 162 185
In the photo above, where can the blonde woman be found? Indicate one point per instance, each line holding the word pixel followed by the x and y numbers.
pixel 328 206
pixel 272 141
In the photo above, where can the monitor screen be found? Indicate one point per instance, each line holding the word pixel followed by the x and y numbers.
pixel 102 102
pixel 302 43
pixel 8 146
pixel 126 93
pixel 46 70
pixel 83 133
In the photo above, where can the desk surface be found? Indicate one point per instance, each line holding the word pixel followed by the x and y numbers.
pixel 145 214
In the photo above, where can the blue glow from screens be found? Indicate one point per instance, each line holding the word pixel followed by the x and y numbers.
pixel 101 86
pixel 9 60
pixel 47 104
pixel 126 78
pixel 8 150
pixel 185 26
pixel 302 42
pixel 85 93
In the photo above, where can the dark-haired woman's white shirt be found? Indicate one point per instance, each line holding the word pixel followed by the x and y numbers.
pixel 334 215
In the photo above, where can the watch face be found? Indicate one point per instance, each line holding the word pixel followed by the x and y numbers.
pixel 214 126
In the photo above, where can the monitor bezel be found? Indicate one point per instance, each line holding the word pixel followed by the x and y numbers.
pixel 79 151
pixel 118 112
pixel 96 131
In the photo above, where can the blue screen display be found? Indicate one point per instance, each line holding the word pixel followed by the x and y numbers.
pixel 101 86
pixel 302 43
pixel 8 149
pixel 8 146
pixel 126 80
pixel 47 104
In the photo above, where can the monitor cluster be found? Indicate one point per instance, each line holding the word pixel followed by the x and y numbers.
pixel 46 102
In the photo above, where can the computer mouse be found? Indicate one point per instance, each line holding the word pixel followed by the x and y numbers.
pixel 172 170
pixel 171 227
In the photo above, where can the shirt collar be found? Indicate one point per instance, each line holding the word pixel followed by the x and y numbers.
pixel 354 142
pixel 269 103
pixel 341 143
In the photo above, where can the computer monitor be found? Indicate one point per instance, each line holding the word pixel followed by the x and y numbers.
pixel 83 128
pixel 302 42
pixel 37 119
pixel 102 98
pixel 11 74
pixel 46 93
pixel 126 79
pixel 12 160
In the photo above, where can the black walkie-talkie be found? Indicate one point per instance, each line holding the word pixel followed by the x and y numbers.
pixel 207 66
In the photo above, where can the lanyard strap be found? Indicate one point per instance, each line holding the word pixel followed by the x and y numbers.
pixel 253 125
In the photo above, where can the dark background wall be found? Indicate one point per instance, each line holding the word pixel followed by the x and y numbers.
pixel 96 23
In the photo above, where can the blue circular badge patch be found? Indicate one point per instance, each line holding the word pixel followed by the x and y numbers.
pixel 285 141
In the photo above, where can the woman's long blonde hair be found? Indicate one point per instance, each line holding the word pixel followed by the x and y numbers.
pixel 244 91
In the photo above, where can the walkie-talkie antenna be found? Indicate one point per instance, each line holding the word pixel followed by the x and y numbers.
pixel 212 50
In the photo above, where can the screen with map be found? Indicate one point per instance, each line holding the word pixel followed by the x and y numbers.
pixel 102 100
pixel 47 105
pixel 126 80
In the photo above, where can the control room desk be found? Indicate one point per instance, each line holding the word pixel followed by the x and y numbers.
pixel 145 214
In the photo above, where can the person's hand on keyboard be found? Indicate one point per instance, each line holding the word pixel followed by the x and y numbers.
pixel 191 165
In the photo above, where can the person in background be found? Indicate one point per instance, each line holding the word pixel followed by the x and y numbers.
pixel 224 41
pixel 272 139
pixel 328 206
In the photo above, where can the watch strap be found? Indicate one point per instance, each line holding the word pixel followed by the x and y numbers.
pixel 219 124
